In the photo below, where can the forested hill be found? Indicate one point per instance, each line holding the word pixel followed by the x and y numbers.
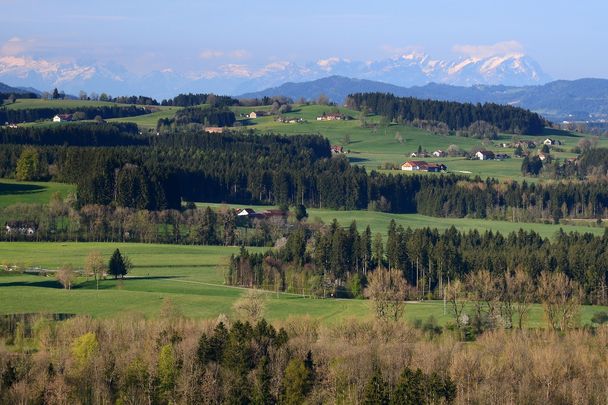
pixel 455 115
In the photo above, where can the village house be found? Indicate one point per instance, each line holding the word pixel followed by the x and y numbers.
pixel 440 153
pixel 266 214
pixel 525 144
pixel 551 142
pixel 20 228
pixel 256 114
pixel 214 130
pixel 422 166
pixel 331 117
pixel 245 212
pixel 420 154
pixel 62 117
pixel 337 149
pixel 484 155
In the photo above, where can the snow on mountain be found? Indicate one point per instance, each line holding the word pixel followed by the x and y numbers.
pixel 411 69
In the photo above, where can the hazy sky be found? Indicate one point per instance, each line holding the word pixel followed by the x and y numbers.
pixel 567 38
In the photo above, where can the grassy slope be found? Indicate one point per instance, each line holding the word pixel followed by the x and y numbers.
pixel 149 121
pixel 379 221
pixel 372 148
pixel 12 191
pixel 191 276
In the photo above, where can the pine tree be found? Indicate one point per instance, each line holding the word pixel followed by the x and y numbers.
pixel 261 392
pixel 410 388
pixel 375 392
pixel 117 266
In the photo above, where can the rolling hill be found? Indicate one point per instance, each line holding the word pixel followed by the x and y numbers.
pixel 583 99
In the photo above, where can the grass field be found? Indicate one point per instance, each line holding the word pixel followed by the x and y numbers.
pixel 373 148
pixel 12 191
pixel 191 276
pixel 379 221
pixel 148 121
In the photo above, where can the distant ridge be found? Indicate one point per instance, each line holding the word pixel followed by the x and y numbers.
pixel 334 87
pixel 5 88
pixel 582 99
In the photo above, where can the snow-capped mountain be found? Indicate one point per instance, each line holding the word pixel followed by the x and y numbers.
pixel 413 69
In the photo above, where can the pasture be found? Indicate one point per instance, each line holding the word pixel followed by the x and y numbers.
pixel 30 192
pixel 191 276
pixel 149 121
pixel 374 147
pixel 379 221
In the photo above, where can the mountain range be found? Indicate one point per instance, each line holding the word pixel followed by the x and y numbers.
pixel 413 69
pixel 583 99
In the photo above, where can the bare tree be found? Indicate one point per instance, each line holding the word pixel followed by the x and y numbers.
pixel 484 292
pixel 95 265
pixel 387 289
pixel 456 296
pixel 323 99
pixel 518 294
pixel 561 299
pixel 251 306
pixel 66 276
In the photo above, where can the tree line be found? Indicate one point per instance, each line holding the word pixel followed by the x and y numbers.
pixel 76 134
pixel 247 168
pixel 191 100
pixel 88 113
pixel 62 220
pixel 457 116
pixel 332 260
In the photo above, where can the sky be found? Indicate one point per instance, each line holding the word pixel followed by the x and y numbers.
pixel 566 38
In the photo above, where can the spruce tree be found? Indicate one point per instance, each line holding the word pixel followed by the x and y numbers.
pixel 375 392
pixel 117 266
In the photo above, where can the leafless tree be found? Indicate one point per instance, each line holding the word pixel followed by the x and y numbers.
pixel 66 276
pixel 251 306
pixel 519 294
pixel 561 298
pixel 95 265
pixel 387 289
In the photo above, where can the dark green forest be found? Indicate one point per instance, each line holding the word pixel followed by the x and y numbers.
pixel 337 260
pixel 456 115
pixel 105 112
pixel 159 172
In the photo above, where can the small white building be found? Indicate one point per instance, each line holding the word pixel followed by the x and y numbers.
pixel 551 142
pixel 484 155
pixel 62 117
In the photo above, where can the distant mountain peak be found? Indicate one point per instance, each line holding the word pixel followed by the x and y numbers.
pixel 407 69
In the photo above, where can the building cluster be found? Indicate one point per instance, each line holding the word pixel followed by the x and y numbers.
pixel 333 117
pixel 422 166
pixel 20 228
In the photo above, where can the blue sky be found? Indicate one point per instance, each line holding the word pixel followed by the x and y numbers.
pixel 566 38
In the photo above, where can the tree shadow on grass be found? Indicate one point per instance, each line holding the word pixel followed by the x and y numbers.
pixel 357 159
pixel 12 188
pixel 90 284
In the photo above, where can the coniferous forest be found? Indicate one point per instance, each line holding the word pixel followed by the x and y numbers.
pixel 456 115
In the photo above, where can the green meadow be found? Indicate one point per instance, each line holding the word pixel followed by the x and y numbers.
pixel 149 121
pixel 375 147
pixel 190 276
pixel 30 192
pixel 379 221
